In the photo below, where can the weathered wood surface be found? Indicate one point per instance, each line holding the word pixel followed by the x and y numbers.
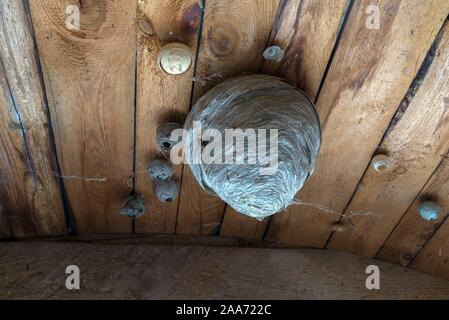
pixel 90 83
pixel 234 37
pixel 30 193
pixel 370 75
pixel 163 239
pixel 433 237
pixel 434 257
pixel 307 32
pixel 160 97
pixel 4 228
pixel 37 271
pixel 412 232
pixel 416 146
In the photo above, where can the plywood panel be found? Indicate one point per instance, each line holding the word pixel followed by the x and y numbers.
pixel 161 97
pixel 30 192
pixel 413 232
pixel 307 31
pixel 36 271
pixel 90 82
pixel 234 36
pixel 370 74
pixel 415 146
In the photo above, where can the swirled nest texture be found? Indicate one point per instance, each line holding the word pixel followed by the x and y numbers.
pixel 256 102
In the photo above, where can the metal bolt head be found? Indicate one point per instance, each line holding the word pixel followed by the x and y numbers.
pixel 175 58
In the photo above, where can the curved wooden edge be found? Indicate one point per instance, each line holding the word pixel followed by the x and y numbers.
pixel 36 270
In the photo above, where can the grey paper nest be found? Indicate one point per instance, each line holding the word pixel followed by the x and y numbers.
pixel 256 102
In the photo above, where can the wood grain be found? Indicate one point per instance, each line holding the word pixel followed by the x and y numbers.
pixel 307 31
pixel 370 75
pixel 90 82
pixel 234 36
pixel 416 145
pixel 30 193
pixel 37 271
pixel 434 257
pixel 413 232
pixel 4 228
pixel 161 97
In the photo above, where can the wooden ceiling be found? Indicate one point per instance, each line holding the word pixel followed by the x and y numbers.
pixel 79 112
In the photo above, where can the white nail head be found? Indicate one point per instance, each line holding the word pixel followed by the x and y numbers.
pixel 134 207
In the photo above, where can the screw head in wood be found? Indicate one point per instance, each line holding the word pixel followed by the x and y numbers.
pixel 380 162
pixel 175 58
pixel 429 210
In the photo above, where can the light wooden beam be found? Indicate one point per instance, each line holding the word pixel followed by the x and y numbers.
pixel 37 271
pixel 370 75
pixel 30 193
pixel 89 76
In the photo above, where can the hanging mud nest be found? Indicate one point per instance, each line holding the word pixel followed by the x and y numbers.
pixel 281 137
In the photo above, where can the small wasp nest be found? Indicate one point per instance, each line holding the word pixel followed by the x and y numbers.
pixel 429 210
pixel 175 58
pixel 380 162
pixel 160 170
pixel 273 53
pixel 163 136
pixel 134 206
pixel 166 191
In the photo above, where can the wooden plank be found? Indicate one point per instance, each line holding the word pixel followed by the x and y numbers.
pixel 370 74
pixel 161 97
pixel 4 228
pixel 434 257
pixel 238 225
pixel 30 193
pixel 413 232
pixel 37 271
pixel 307 31
pixel 234 37
pixel 15 177
pixel 415 145
pixel 162 239
pixel 90 82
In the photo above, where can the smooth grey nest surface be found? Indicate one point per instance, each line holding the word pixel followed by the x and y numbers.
pixel 257 102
